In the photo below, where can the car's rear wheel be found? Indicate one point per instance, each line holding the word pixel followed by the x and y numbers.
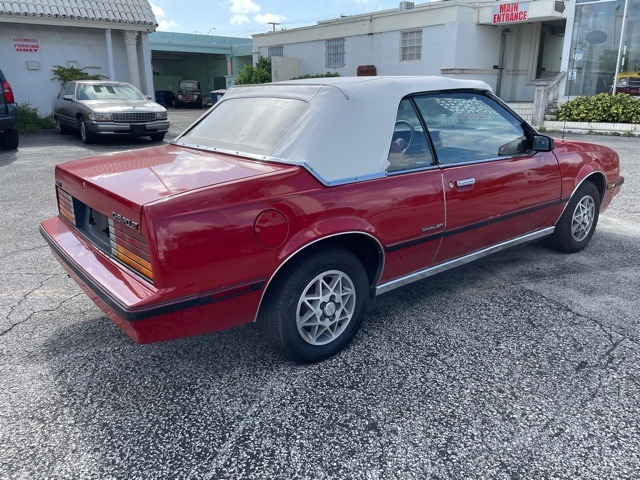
pixel 61 127
pixel 86 135
pixel 315 306
pixel 157 137
pixel 9 140
pixel 578 222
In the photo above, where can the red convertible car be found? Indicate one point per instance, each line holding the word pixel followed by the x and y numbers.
pixel 294 204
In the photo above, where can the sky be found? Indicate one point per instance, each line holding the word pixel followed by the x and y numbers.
pixel 243 18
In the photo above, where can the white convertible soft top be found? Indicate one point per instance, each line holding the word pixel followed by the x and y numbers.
pixel 346 130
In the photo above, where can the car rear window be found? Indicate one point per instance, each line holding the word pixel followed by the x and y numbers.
pixel 246 125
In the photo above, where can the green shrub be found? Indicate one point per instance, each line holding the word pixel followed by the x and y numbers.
pixel 29 121
pixel 318 75
pixel 603 107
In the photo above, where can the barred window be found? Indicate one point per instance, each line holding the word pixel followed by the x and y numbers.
pixel 411 45
pixel 335 53
pixel 275 51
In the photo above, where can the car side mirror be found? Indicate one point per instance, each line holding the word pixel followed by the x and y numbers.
pixel 68 97
pixel 148 97
pixel 542 143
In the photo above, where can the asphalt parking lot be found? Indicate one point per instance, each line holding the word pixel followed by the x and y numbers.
pixel 525 365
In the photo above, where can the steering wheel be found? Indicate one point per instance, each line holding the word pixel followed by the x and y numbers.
pixel 411 129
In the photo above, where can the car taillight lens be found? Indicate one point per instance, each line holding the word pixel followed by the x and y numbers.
pixel 8 93
pixel 131 248
pixel 65 205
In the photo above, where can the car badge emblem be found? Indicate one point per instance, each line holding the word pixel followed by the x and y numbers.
pixel 124 221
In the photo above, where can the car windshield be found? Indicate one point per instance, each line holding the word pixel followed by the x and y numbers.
pixel 108 91
pixel 246 125
pixel 188 85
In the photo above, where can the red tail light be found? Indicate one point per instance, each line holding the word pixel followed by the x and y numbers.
pixel 8 93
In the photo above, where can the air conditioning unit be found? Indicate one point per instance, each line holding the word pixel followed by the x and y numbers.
pixel 404 6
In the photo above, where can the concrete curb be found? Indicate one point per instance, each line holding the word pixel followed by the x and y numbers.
pixel 594 127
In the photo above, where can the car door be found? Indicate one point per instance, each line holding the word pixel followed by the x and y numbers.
pixel 412 222
pixel 64 108
pixel 496 187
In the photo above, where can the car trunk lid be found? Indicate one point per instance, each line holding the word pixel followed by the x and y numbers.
pixel 132 179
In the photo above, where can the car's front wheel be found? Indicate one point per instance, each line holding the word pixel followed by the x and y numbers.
pixel 315 306
pixel 9 140
pixel 86 135
pixel 578 222
pixel 157 137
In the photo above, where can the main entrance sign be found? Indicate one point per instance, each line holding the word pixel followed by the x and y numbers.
pixel 510 12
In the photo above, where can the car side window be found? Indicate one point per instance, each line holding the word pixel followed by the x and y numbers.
pixel 409 146
pixel 69 89
pixel 467 126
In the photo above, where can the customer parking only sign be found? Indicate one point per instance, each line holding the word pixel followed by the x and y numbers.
pixel 25 44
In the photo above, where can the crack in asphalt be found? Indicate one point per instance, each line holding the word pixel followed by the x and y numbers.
pixel 608 331
pixel 45 310
pixel 30 249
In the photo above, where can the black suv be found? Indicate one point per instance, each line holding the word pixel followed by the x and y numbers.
pixel 189 94
pixel 8 116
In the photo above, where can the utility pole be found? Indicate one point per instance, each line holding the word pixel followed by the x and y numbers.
pixel 273 25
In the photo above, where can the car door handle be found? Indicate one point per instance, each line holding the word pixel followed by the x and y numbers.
pixel 467 182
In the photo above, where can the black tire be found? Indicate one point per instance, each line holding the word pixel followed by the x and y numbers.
pixel 86 135
pixel 578 221
pixel 157 137
pixel 344 282
pixel 176 104
pixel 62 128
pixel 9 140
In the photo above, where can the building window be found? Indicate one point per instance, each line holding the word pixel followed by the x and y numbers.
pixel 335 53
pixel 411 45
pixel 275 51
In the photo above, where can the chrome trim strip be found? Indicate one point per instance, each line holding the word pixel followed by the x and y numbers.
pixel 428 272
pixel 577 187
pixel 283 161
pixel 293 254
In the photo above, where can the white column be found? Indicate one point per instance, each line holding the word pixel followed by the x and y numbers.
pixel 130 41
pixel 229 65
pixel 147 67
pixel 107 35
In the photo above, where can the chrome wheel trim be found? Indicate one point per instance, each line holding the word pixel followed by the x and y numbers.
pixel 582 219
pixel 83 130
pixel 326 307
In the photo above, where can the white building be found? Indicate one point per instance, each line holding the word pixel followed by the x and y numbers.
pixel 513 46
pixel 110 37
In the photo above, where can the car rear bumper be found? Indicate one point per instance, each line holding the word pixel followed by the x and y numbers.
pixel 137 129
pixel 8 120
pixel 145 313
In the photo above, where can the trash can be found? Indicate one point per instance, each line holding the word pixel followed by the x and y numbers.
pixel 216 95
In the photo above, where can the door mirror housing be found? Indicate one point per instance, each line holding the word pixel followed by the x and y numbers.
pixel 542 143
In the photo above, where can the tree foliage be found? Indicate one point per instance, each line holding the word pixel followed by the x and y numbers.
pixel 66 74
pixel 260 73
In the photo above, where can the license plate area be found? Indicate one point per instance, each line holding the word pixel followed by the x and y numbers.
pixel 137 129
